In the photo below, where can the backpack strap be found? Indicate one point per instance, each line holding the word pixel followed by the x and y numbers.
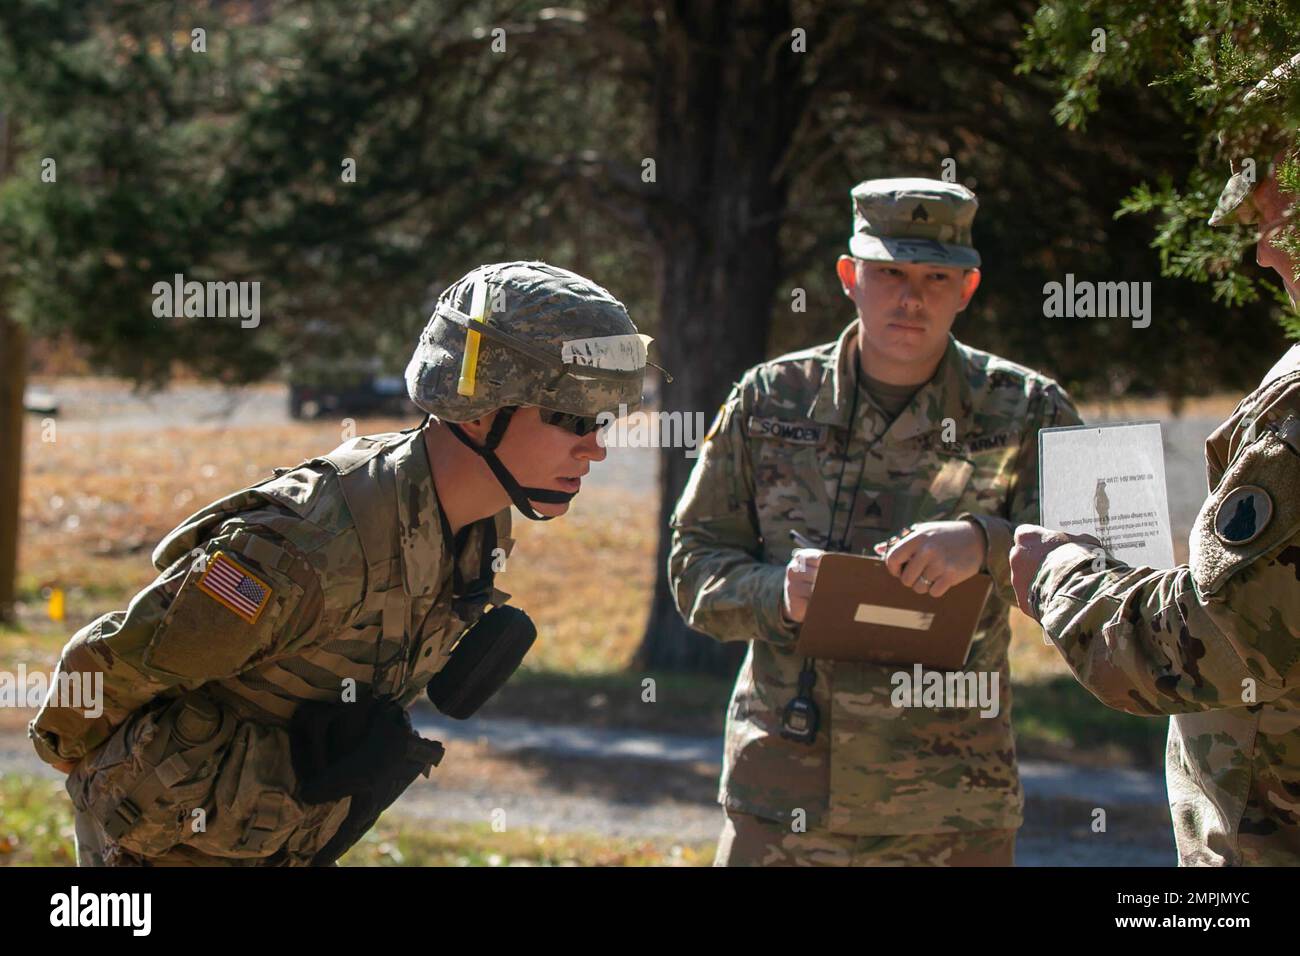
pixel 369 488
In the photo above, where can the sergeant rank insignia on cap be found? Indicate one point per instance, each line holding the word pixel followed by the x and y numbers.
pixel 1242 516
pixel 237 588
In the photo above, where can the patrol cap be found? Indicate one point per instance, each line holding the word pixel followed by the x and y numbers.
pixel 1232 206
pixel 914 220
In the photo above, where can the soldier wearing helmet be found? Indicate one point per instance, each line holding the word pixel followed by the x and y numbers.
pixel 473 372
pixel 255 694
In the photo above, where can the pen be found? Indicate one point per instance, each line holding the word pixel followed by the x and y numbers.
pixel 802 541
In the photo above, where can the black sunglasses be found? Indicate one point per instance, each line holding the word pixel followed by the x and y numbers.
pixel 577 424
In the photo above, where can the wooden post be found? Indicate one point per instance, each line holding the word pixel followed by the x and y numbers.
pixel 13 378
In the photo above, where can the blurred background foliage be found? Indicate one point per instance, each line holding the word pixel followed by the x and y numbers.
pixel 695 158
pixel 227 164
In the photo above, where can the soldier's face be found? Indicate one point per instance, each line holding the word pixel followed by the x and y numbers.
pixel 906 308
pixel 1274 210
pixel 546 456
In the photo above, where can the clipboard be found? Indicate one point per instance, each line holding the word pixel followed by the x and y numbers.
pixel 861 612
pixel 1108 480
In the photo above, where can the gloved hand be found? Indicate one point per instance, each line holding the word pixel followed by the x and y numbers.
pixel 342 750
pixel 366 751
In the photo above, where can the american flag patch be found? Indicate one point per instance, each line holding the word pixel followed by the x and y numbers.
pixel 235 587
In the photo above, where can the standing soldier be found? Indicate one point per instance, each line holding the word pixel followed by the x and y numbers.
pixel 1215 644
pixel 256 692
pixel 894 431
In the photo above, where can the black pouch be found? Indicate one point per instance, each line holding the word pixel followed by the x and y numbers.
pixel 366 751
pixel 482 662
pixel 341 750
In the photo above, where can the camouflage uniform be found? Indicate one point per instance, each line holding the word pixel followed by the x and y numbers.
pixel 1214 644
pixel 749 840
pixel 771 465
pixel 340 573
pixel 326 618
pixel 879 784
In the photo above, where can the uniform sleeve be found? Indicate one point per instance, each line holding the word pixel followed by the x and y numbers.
pixel 1219 633
pixel 243 597
pixel 1051 408
pixel 720 583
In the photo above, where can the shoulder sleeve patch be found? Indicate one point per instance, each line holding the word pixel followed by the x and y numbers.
pixel 1254 509
pixel 1005 378
pixel 229 610
pixel 235 587
pixel 718 420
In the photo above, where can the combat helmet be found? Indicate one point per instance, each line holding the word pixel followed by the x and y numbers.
pixel 526 333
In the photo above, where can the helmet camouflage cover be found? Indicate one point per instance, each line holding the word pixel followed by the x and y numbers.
pixel 526 333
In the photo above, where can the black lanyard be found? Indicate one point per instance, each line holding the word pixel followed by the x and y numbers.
pixel 474 594
pixel 844 462
pixel 801 717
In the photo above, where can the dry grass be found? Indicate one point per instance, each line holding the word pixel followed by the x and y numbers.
pixel 94 505
pixel 397 841
pixel 1032 661
pixel 585 580
pixel 36 830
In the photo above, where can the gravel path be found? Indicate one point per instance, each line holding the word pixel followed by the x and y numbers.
pixel 1042 779
pixel 633 784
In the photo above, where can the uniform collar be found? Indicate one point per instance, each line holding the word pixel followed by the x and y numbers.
pixel 832 404
pixel 429 551
pixel 426 555
pixel 1287 364
pixel 946 395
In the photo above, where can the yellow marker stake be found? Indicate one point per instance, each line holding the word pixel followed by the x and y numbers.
pixel 56 604
pixel 469 364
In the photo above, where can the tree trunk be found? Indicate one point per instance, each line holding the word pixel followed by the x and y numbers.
pixel 728 99
pixel 13 377
pixel 13 351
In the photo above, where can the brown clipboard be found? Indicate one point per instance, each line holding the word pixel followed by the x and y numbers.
pixel 860 612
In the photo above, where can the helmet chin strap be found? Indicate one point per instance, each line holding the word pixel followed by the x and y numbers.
pixel 519 495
